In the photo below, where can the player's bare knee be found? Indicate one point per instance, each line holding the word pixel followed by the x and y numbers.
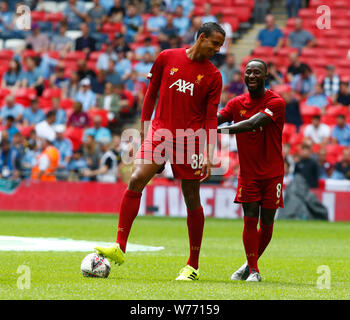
pixel 137 181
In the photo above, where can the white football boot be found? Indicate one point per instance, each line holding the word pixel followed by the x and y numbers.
pixel 242 273
pixel 254 276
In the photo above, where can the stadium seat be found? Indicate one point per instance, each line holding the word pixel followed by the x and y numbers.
pixel 45 103
pixel 111 27
pixel 307 13
pixel 307 112
pixel 38 16
pixel 75 56
pixel 6 54
pixel 337 110
pixel 14 44
pixel 54 17
pixel 67 104
pixel 25 130
pixel 4 92
pixel 233 21
pixel 22 96
pixel 99 112
pixel 243 13
pixel 328 119
pixel 334 152
pixel 50 93
pixel 263 51
pixel 289 130
pixel 75 135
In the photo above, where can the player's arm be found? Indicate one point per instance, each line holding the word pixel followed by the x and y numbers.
pixel 253 123
pixel 155 76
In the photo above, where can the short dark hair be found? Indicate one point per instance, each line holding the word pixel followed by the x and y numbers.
pixel 209 27
pixel 51 113
pixel 260 61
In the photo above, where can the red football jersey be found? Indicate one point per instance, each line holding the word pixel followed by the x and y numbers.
pixel 259 152
pixel 189 92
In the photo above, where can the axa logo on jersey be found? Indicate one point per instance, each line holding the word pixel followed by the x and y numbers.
pixel 183 85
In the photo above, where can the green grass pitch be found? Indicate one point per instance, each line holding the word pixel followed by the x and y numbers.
pixel 288 267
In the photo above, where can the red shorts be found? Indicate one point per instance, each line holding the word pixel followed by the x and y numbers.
pixel 186 157
pixel 268 192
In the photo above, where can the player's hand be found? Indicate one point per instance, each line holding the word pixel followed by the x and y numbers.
pixel 206 171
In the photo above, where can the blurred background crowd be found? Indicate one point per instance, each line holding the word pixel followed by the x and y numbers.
pixel 71 84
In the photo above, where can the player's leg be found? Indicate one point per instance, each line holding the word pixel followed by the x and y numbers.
pixel 267 218
pixel 195 225
pixel 141 175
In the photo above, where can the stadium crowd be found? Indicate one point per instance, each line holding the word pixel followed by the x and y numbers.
pixel 71 84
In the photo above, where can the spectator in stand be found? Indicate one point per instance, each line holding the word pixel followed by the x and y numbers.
pixel 75 13
pixel 261 8
pixel 331 83
pixel 295 67
pixel 92 152
pixel 107 171
pixel 113 76
pixel 168 31
pixel 64 146
pixel 32 77
pixel 119 44
pixel 293 114
pixel 111 102
pixel 300 38
pixel 325 168
pixel 318 99
pixel 305 82
pixel 99 133
pixel 137 88
pixel 73 86
pixel 117 12
pixel 342 168
pixel 85 43
pixel 187 6
pixel 109 54
pixel 343 96
pixel 147 47
pixel 85 95
pixel 12 75
pixel 181 21
pixel 58 79
pixel 270 36
pixel 11 108
pixel 123 66
pixel 97 16
pixel 307 166
pixel 219 58
pixel 207 16
pixel 133 23
pixel 10 165
pixel 28 161
pixel 317 132
pixel 274 76
pixel 144 67
pixel 106 4
pixel 37 41
pixel 60 42
pixel 78 118
pixel 6 17
pixel 156 21
pixel 10 127
pixel 84 71
pixel 98 85
pixel 191 35
pixel 76 166
pixel 33 114
pixel 341 132
pixel 61 116
pixel 225 97
pixel 45 129
pixel 293 7
pixel 228 69
pixel 236 86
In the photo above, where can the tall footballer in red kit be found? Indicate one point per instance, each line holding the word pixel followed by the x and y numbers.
pixel 188 88
pixel 258 123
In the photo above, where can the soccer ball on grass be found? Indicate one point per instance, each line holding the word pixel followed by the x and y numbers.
pixel 94 265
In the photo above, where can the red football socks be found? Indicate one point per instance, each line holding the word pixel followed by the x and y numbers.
pixel 128 212
pixel 265 235
pixel 251 242
pixel 195 224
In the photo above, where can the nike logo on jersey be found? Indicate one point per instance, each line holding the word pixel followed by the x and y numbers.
pixel 183 85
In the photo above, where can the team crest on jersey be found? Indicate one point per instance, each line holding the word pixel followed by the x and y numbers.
pixel 242 112
pixel 183 85
pixel 197 173
pixel 199 78
pixel 173 70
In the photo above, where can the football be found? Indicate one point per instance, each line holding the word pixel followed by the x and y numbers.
pixel 94 265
